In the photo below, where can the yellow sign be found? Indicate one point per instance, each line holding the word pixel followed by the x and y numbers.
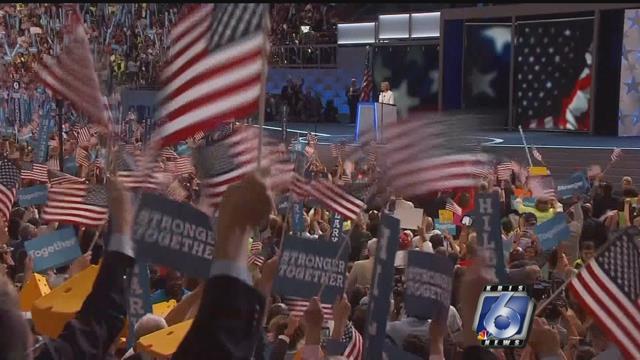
pixel 445 216
pixel 163 308
pixel 35 288
pixel 539 171
pixel 164 343
pixel 51 312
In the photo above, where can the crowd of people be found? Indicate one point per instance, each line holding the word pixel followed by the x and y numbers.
pixel 252 321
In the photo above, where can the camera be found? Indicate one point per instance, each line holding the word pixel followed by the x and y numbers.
pixel 541 290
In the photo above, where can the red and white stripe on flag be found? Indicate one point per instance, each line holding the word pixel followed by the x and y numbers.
pixel 72 75
pixel 38 172
pixel 505 170
pixel 214 71
pixel 66 204
pixel 332 197
pixel 297 306
pixel 608 287
pixel 615 155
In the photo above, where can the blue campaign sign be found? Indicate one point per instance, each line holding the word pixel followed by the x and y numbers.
pixel 297 217
pixel 282 204
pixel 139 298
pixel 336 228
pixel 553 231
pixel 308 265
pixel 382 284
pixel 33 195
pixel 576 184
pixel 487 224
pixel 54 249
pixel 428 285
pixel 173 234
pixel 41 147
pixel 451 228
pixel 70 166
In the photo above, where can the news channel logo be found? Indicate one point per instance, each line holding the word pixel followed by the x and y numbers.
pixel 503 316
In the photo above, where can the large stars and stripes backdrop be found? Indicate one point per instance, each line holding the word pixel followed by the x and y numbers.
pixel 412 72
pixel 552 74
pixel 487 64
pixel 629 113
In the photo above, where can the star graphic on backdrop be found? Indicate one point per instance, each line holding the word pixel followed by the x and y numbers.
pixel 501 36
pixel 632 66
pixel 635 117
pixel 380 72
pixel 621 118
pixel 481 83
pixel 404 101
pixel 632 85
pixel 434 76
pixel 634 20
pixel 626 52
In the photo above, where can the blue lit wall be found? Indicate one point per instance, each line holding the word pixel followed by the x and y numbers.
pixel 329 83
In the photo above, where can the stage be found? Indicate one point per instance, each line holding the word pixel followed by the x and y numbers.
pixel 335 132
pixel 563 153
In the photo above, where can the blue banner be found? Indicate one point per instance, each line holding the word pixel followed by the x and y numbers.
pixel 54 249
pixel 450 228
pixel 307 265
pixel 336 228
pixel 173 234
pixel 553 231
pixel 33 195
pixel 139 298
pixel 382 283
pixel 427 292
pixel 576 184
pixel 282 204
pixel 489 232
pixel 297 217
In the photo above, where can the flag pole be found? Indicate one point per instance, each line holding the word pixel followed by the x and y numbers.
pixel 59 104
pixel 263 80
pixel 526 148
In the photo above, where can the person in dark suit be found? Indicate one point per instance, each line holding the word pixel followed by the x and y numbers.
pixel 353 96
pixel 93 331
pixel 228 324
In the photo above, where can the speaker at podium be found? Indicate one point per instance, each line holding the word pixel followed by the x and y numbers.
pixel 373 117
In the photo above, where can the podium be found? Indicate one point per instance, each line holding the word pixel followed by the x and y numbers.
pixel 374 117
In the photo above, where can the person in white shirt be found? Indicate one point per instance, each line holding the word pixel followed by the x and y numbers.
pixel 386 96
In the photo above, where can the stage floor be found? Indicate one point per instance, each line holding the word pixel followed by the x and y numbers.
pixel 334 133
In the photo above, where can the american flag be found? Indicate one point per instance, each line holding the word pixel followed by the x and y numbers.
pixel 420 156
pixel 54 163
pixel 9 179
pixel 505 170
pixel 367 81
pixel 34 171
pixel 335 150
pixel 331 196
pixel 72 75
pixel 615 155
pixel 536 154
pixel 168 153
pixel 453 207
pixel 227 162
pixel 354 343
pixel 135 173
pixel 215 69
pixel 80 204
pixel 181 166
pixel 59 178
pixel 255 256
pixel 297 306
pixel 552 76
pixel 281 176
pixel 608 286
pixel 84 136
pixel 83 157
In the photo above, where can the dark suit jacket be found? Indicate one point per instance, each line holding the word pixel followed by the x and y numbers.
pixel 228 322
pixel 101 318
